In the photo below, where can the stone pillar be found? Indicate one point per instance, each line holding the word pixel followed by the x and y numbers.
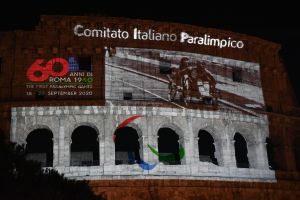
pixel 226 144
pixel 55 152
pixel 219 152
pixel 142 146
pixel 13 135
pixel 149 156
pixel 66 151
pixel 228 152
pixel 110 123
pixel 149 137
pixel 61 145
pixel 261 155
pixel 101 149
pixel 195 155
pixel 252 154
pixel 257 151
pixel 188 144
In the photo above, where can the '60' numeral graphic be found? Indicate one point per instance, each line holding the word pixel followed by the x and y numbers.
pixel 39 73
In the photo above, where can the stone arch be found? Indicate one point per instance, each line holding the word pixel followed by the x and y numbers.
pixel 137 128
pixel 250 133
pixel 39 146
pixel 211 130
pixel 168 124
pixel 241 151
pixel 31 128
pixel 84 151
pixel 140 135
pixel 171 127
pixel 206 147
pixel 89 124
pixel 37 126
pixel 128 143
pixel 246 131
pixel 71 122
pixel 218 142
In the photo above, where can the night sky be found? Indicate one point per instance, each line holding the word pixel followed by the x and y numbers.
pixel 278 22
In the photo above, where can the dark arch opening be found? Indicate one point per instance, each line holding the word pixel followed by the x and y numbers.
pixel 127 146
pixel 206 147
pixel 270 153
pixel 84 147
pixel 168 147
pixel 241 151
pixel 39 147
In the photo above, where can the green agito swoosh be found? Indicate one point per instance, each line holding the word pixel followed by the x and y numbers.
pixel 168 157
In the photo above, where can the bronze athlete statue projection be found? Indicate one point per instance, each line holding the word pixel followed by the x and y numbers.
pixel 192 81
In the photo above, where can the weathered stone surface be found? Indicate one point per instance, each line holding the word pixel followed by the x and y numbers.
pixel 62 126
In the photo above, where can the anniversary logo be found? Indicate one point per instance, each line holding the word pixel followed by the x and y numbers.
pixel 60 77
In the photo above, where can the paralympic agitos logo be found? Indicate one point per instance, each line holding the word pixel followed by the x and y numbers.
pixel 144 165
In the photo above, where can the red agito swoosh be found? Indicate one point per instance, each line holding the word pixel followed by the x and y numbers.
pixel 124 123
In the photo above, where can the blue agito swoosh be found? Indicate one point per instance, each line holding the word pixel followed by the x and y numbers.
pixel 142 164
pixel 146 166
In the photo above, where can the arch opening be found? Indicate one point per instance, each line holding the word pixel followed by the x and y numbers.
pixel 39 147
pixel 168 147
pixel 241 151
pixel 127 146
pixel 206 147
pixel 84 147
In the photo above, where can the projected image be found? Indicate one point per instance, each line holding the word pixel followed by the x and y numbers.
pixel 181 79
pixel 71 76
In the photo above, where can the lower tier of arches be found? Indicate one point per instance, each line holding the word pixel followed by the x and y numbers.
pixel 94 142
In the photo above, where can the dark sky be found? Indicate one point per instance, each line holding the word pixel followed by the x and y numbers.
pixel 278 22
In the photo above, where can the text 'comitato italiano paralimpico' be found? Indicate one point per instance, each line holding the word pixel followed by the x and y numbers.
pixel 153 35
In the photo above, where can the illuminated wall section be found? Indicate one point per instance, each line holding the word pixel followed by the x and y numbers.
pixel 164 87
